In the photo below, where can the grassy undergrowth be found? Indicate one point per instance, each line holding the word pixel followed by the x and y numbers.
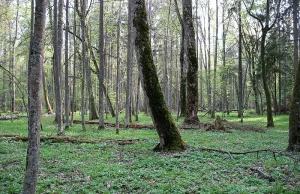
pixel 112 168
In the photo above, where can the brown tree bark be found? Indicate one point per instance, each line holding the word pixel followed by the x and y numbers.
pixel 192 72
pixel 35 82
pixel 170 138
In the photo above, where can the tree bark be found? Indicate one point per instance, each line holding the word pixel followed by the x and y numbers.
pixel 67 85
pixel 57 43
pixel 294 120
pixel 35 82
pixel 170 138
pixel 129 67
pixel 118 75
pixel 192 73
pixel 240 68
pixel 183 103
pixel 296 34
pixel 215 64
pixel 101 68
pixel 83 34
pixel 45 90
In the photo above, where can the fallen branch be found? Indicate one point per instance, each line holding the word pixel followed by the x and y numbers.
pixel 262 175
pixel 65 139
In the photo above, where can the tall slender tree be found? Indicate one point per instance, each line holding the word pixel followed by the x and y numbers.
pixel 192 72
pixel 240 67
pixel 101 68
pixel 67 85
pixel 215 63
pixel 129 66
pixel 34 93
pixel 83 35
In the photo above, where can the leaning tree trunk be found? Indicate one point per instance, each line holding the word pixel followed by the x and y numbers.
pixel 192 73
pixel 46 95
pixel 170 138
pixel 35 102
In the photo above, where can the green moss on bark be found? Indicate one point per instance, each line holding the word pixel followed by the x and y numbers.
pixel 170 138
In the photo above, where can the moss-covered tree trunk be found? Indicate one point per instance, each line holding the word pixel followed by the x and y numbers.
pixel 270 122
pixel 192 72
pixel 170 138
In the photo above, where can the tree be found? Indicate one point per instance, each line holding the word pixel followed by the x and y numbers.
pixel 183 103
pixel 294 120
pixel 101 68
pixel 35 82
pixel 192 73
pixel 67 85
pixel 264 21
pixel 240 67
pixel 215 64
pixel 57 43
pixel 170 138
pixel 129 67
pixel 83 12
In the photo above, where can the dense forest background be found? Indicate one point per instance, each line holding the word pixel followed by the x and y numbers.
pixel 228 48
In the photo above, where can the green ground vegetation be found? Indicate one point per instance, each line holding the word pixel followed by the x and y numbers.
pixel 109 167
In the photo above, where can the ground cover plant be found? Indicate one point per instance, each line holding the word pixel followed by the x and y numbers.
pixel 125 163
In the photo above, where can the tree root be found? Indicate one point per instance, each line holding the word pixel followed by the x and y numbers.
pixel 65 139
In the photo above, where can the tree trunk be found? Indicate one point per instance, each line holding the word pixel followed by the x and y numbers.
pixel 270 122
pixel 215 64
pixel 296 34
pixel 129 68
pixel 35 82
pixel 192 73
pixel 101 68
pixel 67 85
pixel 45 90
pixel 57 63
pixel 74 67
pixel 118 75
pixel 208 65
pixel 294 120
pixel 240 68
pixel 83 28
pixel 170 138
pixel 183 103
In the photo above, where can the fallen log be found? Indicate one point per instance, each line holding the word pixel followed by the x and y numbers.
pixel 66 139
pixel 132 126
pixel 9 117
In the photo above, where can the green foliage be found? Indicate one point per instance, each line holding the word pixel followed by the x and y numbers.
pixel 111 168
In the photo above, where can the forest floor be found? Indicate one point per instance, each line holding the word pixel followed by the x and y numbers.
pixel 249 159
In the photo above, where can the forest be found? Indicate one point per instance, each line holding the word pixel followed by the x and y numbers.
pixel 149 96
